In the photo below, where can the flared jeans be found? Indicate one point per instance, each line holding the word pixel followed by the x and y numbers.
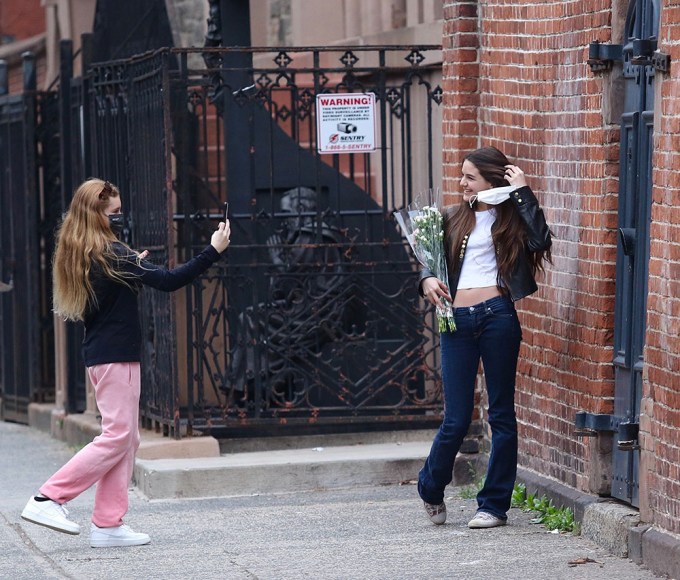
pixel 109 460
pixel 489 331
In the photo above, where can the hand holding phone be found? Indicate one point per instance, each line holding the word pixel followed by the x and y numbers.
pixel 220 238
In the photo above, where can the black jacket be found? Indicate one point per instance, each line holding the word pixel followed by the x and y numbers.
pixel 112 330
pixel 521 283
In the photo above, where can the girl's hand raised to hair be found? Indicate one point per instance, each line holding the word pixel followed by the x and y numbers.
pixel 515 176
pixel 220 237
pixel 434 290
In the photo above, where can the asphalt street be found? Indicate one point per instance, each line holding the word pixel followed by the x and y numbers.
pixel 361 532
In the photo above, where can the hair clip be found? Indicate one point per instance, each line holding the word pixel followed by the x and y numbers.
pixel 106 191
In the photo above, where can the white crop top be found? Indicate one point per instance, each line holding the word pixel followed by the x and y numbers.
pixel 479 268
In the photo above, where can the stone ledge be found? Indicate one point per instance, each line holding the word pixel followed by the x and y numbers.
pixel 635 542
pixel 155 446
pixel 608 524
pixel 40 416
pixel 284 470
pixel 562 495
pixel 661 552
pixel 78 429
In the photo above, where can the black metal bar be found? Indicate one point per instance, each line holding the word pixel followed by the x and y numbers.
pixel 75 370
pixel 29 72
pixel 86 51
pixel 4 78
pixel 65 74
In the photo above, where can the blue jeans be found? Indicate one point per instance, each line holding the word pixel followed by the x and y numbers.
pixel 490 331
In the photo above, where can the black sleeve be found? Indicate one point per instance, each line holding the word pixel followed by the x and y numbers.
pixel 424 273
pixel 538 232
pixel 168 280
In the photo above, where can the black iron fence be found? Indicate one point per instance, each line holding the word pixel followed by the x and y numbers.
pixel 27 219
pixel 311 318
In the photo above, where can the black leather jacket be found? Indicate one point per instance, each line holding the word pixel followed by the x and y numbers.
pixel 521 283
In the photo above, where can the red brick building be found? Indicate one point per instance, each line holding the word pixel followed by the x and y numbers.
pixel 600 143
pixel 22 28
pixel 21 19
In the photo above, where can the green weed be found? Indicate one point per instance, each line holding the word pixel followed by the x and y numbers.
pixel 552 517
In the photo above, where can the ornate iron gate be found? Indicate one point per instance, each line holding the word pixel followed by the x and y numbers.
pixel 129 131
pixel 312 318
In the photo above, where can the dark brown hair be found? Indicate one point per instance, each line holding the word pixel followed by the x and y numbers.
pixel 508 231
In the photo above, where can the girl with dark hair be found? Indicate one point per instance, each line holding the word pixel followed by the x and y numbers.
pixel 96 280
pixel 493 255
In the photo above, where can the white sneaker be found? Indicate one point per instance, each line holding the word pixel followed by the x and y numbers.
pixel 49 514
pixel 436 512
pixel 117 537
pixel 485 520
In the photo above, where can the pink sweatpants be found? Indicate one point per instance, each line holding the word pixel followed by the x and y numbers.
pixel 107 461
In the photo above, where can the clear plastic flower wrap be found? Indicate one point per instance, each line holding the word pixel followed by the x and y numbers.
pixel 422 224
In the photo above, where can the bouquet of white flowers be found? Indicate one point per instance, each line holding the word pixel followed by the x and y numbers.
pixel 423 226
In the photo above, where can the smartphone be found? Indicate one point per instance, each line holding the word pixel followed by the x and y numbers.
pixel 226 211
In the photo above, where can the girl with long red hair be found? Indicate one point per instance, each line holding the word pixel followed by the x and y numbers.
pixel 97 280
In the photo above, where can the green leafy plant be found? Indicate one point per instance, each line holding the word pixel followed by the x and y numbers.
pixel 552 517
pixel 519 495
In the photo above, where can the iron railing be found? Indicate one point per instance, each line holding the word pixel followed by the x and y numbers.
pixel 27 217
pixel 311 318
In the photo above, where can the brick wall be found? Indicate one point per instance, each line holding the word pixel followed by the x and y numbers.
pixel 21 19
pixel 460 81
pixel 538 102
pixel 460 130
pixel 528 91
pixel 543 107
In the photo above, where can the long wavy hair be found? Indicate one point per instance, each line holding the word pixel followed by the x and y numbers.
pixel 83 243
pixel 508 231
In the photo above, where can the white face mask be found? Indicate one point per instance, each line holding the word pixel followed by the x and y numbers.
pixel 493 196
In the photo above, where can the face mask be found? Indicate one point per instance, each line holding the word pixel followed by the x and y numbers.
pixel 493 196
pixel 117 223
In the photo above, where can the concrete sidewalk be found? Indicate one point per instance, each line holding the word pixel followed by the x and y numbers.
pixel 369 531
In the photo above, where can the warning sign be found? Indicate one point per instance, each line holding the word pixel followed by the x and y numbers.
pixel 345 123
